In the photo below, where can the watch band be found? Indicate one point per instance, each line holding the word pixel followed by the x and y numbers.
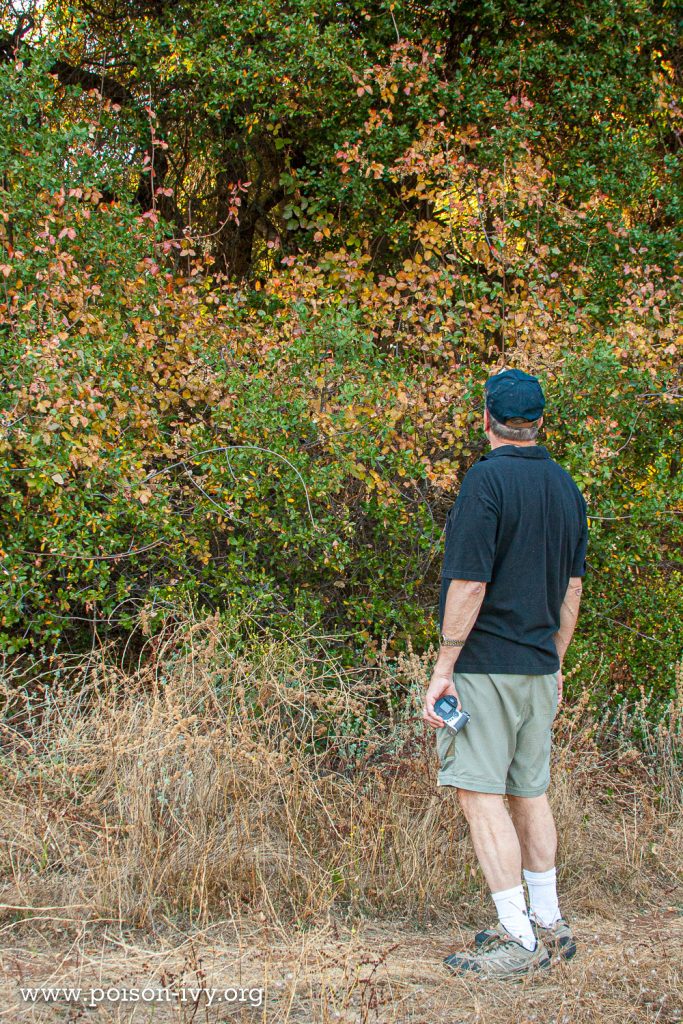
pixel 445 642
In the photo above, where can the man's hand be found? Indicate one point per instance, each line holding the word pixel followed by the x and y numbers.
pixel 560 685
pixel 439 685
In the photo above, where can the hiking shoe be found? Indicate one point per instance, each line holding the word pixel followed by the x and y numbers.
pixel 502 956
pixel 558 939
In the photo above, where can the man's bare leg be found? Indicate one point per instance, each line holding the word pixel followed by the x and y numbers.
pixel 499 854
pixel 494 838
pixel 535 827
pixel 533 821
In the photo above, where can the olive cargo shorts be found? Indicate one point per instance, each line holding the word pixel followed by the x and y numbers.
pixel 505 747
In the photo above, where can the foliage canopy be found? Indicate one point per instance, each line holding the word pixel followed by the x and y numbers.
pixel 257 261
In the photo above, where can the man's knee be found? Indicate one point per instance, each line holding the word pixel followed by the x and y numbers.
pixel 474 804
pixel 528 805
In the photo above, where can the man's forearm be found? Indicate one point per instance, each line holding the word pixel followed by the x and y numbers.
pixel 569 613
pixel 463 601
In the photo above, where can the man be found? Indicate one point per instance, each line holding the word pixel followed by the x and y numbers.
pixel 511 585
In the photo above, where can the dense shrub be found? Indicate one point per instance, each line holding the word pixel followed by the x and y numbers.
pixel 285 450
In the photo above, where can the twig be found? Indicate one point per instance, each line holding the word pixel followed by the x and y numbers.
pixel 95 558
pixel 236 447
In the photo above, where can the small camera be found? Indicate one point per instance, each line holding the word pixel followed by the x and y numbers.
pixel 454 719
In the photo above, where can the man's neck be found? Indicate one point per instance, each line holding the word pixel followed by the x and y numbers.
pixel 498 442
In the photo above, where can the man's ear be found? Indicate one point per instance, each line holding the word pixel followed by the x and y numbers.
pixel 540 423
pixel 487 419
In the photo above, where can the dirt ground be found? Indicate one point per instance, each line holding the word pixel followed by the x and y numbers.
pixel 629 970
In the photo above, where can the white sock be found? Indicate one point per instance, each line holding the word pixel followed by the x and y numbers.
pixel 543 896
pixel 511 907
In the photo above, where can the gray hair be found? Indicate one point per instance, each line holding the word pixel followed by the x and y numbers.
pixel 513 430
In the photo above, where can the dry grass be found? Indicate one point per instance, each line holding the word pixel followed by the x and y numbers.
pixel 181 820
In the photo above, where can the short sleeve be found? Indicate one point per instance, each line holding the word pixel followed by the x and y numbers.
pixel 579 560
pixel 471 531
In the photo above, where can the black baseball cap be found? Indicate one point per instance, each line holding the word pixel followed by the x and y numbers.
pixel 514 395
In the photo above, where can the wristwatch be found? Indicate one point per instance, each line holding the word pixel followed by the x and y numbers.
pixel 445 642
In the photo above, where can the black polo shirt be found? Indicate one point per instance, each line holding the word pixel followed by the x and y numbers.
pixel 519 524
